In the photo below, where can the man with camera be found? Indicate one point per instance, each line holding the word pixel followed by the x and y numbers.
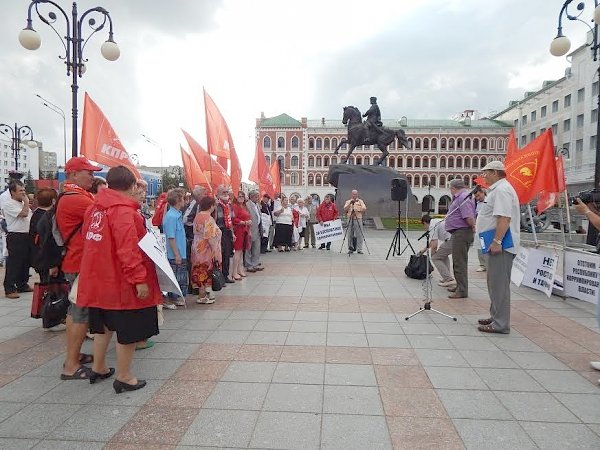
pixel 594 219
pixel 354 209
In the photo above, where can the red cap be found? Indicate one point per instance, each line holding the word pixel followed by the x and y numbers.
pixel 80 163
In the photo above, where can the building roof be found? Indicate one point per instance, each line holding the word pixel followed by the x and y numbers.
pixel 419 123
pixel 546 85
pixel 280 121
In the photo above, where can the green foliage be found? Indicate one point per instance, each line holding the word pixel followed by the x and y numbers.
pixel 173 178
pixel 29 185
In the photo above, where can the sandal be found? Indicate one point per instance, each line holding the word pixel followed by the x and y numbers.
pixel 83 373
pixel 485 321
pixel 238 278
pixel 95 376
pixel 84 358
pixel 145 344
pixel 490 329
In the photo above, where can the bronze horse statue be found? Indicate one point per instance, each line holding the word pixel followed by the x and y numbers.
pixel 359 133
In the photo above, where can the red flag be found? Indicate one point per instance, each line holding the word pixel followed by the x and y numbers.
pixel 193 174
pixel 214 173
pixel 548 199
pixel 220 143
pixel 560 173
pixel 99 142
pixel 260 172
pixel 532 169
pixel 481 182
pixel 512 147
pixel 275 176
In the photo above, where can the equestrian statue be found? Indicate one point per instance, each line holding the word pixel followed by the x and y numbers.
pixel 371 132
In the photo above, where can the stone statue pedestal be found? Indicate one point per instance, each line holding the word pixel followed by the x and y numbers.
pixel 374 185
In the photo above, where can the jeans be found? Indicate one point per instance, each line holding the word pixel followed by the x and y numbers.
pixel 181 274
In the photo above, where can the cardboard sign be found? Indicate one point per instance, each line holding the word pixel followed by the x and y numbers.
pixel 541 269
pixel 153 247
pixel 329 232
pixel 519 266
pixel 582 279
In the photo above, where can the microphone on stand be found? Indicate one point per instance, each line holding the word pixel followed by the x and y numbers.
pixel 475 189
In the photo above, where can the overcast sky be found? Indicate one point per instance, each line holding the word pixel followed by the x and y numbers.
pixel 421 58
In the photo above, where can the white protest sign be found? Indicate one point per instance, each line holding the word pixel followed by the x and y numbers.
pixel 152 246
pixel 519 266
pixel 540 271
pixel 581 276
pixel 329 232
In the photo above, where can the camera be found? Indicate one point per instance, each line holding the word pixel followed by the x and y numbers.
pixel 591 196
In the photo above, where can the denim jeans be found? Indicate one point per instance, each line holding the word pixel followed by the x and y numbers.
pixel 181 274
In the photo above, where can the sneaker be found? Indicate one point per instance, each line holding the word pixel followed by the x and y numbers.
pixel 210 295
pixel 595 365
pixel 448 283
pixel 169 306
pixel 59 327
pixel 205 300
pixel 360 252
pixel 481 269
pixel 179 302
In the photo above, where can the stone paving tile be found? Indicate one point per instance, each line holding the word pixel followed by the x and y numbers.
pixel 402 376
pixel 350 375
pixel 535 406
pixel 423 433
pixel 309 354
pixel 294 398
pixel 201 370
pixel 388 340
pixel 394 356
pixel 561 435
pixel 7 409
pixel 306 339
pixel 454 378
pixel 182 394
pixel 50 444
pixel 561 381
pixel 244 371
pixel 247 396
pixel 290 430
pixel 27 389
pixel 346 340
pixel 411 402
pixel 446 358
pixel 36 421
pixel 352 400
pixel 17 444
pixel 219 352
pixel 346 432
pixel 221 428
pixel 426 341
pixel 584 406
pixel 506 434
pixel 348 355
pixel 304 373
pixel 509 380
pixel 472 405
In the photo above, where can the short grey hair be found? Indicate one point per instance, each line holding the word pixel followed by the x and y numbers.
pixel 198 192
pixel 457 183
pixel 222 188
pixel 253 193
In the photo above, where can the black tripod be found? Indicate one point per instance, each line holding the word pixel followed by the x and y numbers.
pixel 396 241
pixel 353 221
pixel 427 288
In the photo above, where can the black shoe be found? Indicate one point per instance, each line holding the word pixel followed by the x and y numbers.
pixel 95 376
pixel 322 247
pixel 119 386
pixel 227 280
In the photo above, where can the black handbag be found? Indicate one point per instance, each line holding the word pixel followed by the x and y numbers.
pixel 417 267
pixel 218 279
pixel 55 304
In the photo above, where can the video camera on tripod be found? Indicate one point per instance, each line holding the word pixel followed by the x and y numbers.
pixel 591 196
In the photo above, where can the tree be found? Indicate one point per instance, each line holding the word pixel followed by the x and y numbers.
pixel 29 185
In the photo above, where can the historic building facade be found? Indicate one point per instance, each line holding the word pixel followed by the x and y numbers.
pixel 441 150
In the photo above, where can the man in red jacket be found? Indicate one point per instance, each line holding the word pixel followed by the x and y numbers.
pixel 70 211
pixel 325 212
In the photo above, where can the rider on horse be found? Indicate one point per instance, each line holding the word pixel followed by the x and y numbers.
pixel 373 121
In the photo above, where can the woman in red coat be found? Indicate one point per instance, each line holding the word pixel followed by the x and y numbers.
pixel 117 281
pixel 325 212
pixel 241 231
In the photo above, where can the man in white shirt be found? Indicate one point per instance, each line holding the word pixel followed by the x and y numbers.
pixel 256 231
pixel 441 249
pixel 354 209
pixel 500 212
pixel 18 241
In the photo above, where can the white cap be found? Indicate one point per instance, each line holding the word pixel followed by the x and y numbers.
pixel 494 165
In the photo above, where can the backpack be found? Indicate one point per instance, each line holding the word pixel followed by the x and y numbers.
pixel 52 247
pixel 417 267
pixel 159 211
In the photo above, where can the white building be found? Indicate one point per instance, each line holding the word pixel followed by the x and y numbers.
pixel 28 160
pixel 569 107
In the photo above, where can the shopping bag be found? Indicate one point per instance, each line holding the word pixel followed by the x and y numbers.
pixel 55 303
pixel 218 279
pixel 39 291
pixel 417 267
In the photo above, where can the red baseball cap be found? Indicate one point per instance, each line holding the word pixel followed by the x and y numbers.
pixel 80 163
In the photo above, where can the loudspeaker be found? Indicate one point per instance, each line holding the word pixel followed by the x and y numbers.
pixel 426 205
pixel 399 189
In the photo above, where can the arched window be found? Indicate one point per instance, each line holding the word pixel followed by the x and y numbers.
pixel 475 162
pixel 311 161
pixel 325 180
pixel 318 180
pixel 467 181
pixel 482 162
pixel 400 162
pixel 417 181
pixel 334 160
pixel 443 204
pixel 281 162
pixel 467 162
pixel 459 162
pixel 351 160
pixel 433 144
pixel 326 161
pixel 295 142
pixel 311 179
pixel 451 144
pixel 267 142
pixel 326 144
pixel 459 144
pixel 444 141
pixel 409 162
pixel 358 161
pixel 391 161
pixel 319 161
pixel 418 144
pixel 432 181
pixel 467 144
pixel 367 160
pixel 484 144
pixel 442 181
pixel 450 178
pixel 501 144
pixel 375 160
pixel 294 178
pixel 425 181
pixel 425 162
pixel 311 144
pixel 334 143
pixel 433 162
pixel 425 144
pixel 473 182
pixel 268 160
pixel 294 162
pixel 411 143
pixel 409 180
pixel 280 143
pixel 451 162
pixel 319 144
pixel 475 144
pixel 443 162
pixel 417 162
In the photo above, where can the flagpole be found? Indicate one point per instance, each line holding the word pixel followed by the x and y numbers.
pixel 535 239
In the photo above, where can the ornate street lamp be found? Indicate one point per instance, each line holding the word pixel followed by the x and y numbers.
pixel 74 43
pixel 559 47
pixel 16 135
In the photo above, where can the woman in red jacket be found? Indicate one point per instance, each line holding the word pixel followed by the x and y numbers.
pixel 325 212
pixel 117 281
pixel 241 230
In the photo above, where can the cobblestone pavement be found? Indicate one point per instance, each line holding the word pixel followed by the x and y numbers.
pixel 314 352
